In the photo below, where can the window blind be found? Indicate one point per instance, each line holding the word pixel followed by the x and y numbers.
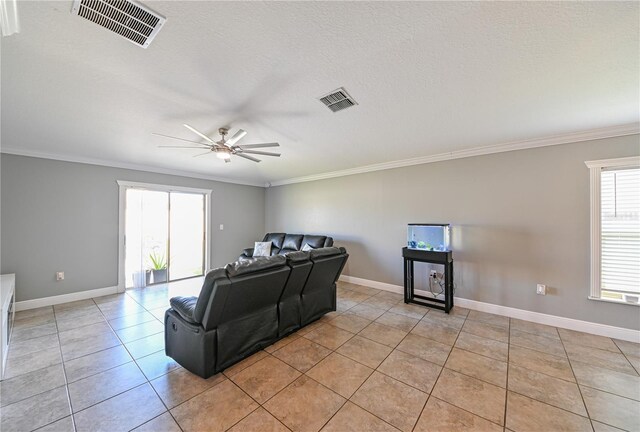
pixel 620 230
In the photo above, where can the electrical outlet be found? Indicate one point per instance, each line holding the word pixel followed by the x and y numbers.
pixel 221 227
pixel 59 276
pixel 541 289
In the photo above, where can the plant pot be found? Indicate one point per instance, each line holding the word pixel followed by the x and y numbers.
pixel 159 276
pixel 147 278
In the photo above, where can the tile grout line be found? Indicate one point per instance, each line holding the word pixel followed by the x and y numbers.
pixel 438 379
pixel 118 394
pixel 66 383
pixel 374 369
pixel 625 356
pixel 134 360
pixel 506 393
pixel 584 403
pixel 308 377
pixel 147 378
pixel 363 382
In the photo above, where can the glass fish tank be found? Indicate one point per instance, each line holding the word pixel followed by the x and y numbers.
pixel 431 237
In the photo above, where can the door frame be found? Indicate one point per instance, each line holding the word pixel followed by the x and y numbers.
pixel 123 186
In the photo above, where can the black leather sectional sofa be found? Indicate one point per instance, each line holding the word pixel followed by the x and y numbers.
pixel 282 243
pixel 249 305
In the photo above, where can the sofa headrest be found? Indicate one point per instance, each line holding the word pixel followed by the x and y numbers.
pixel 314 241
pixel 275 238
pixel 292 241
pixel 325 251
pixel 207 288
pixel 254 265
pixel 298 256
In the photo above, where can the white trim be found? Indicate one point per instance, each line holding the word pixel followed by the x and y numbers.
pixel 122 215
pixel 553 320
pixel 606 300
pixel 595 195
pixel 537 317
pixel 65 298
pixel 123 165
pixel 372 284
pixel 593 134
pixel 594 185
pixel 614 163
pixel 161 187
pixel 123 185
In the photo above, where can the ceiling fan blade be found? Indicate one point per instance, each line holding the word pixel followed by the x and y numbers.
pixel 250 146
pixel 181 139
pixel 236 137
pixel 202 154
pixel 182 147
pixel 247 157
pixel 260 153
pixel 200 134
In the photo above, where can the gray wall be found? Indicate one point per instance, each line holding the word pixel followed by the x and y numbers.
pixel 62 216
pixel 519 218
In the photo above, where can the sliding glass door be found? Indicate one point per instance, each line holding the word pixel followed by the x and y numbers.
pixel 186 235
pixel 165 236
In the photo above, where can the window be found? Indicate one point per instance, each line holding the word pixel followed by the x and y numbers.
pixel 615 229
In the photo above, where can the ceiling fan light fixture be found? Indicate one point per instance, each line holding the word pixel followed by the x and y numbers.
pixel 224 148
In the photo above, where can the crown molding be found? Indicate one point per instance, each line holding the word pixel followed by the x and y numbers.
pixel 124 165
pixel 593 134
pixel 631 161
pixel 589 135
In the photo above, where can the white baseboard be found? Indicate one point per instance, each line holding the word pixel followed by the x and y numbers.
pixel 65 298
pixel 372 284
pixel 537 317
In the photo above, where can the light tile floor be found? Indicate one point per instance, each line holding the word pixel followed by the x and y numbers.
pixel 374 365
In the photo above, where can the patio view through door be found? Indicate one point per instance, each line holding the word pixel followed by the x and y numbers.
pixel 164 236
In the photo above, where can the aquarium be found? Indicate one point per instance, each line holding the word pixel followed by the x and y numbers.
pixel 431 237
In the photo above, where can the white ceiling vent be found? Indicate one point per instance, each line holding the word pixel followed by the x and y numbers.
pixel 338 100
pixel 130 19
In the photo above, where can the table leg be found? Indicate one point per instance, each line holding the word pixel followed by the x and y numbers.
pixel 406 285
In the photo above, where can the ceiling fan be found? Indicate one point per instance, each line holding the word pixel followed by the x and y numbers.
pixel 224 148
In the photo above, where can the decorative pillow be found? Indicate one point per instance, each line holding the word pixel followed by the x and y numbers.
pixel 306 248
pixel 262 249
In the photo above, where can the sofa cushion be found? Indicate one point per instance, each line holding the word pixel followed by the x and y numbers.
pixel 286 251
pixel 325 251
pixel 185 307
pixel 254 265
pixel 307 248
pixel 262 249
pixel 292 241
pixel 276 238
pixel 297 256
pixel 314 241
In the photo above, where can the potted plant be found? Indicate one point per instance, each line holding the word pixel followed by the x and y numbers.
pixel 158 266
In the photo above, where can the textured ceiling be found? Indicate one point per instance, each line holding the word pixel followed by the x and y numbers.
pixel 430 77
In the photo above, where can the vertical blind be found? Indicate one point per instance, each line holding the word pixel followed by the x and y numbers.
pixel 620 230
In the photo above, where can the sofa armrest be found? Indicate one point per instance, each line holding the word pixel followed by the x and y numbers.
pixel 247 253
pixel 185 307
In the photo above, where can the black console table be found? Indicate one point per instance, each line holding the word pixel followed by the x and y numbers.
pixel 434 257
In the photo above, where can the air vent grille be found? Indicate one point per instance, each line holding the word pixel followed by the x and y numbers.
pixel 129 19
pixel 338 100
